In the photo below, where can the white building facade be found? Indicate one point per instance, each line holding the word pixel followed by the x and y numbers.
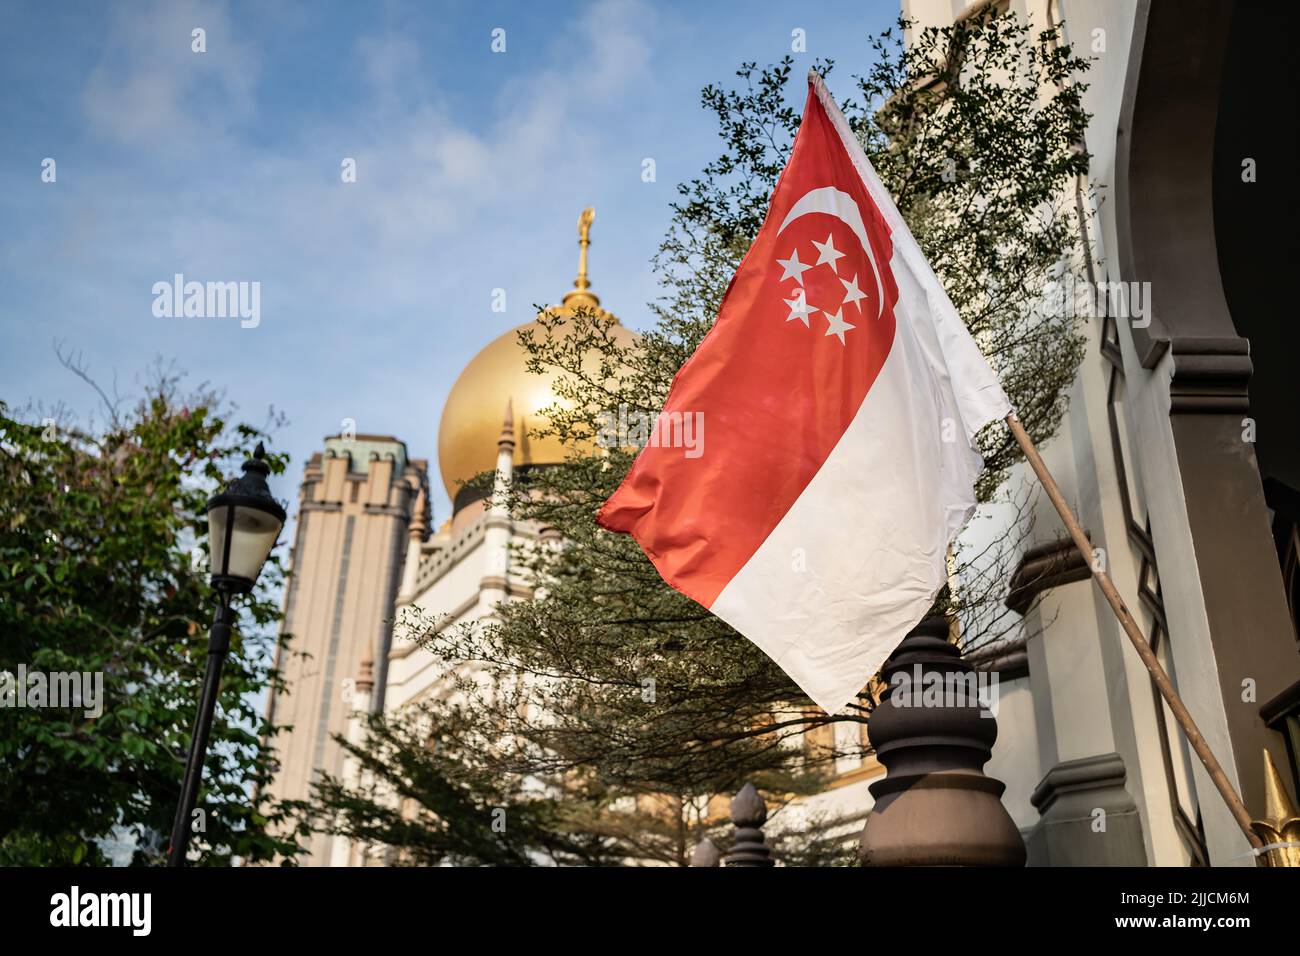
pixel 1176 453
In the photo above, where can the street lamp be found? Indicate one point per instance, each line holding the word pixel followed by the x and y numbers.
pixel 243 523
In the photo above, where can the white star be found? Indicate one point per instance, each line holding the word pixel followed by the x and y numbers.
pixel 826 252
pixel 852 293
pixel 799 308
pixel 837 325
pixel 793 268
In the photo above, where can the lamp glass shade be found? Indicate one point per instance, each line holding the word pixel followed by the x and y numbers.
pixel 251 532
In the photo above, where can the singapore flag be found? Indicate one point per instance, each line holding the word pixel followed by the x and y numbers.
pixel 841 393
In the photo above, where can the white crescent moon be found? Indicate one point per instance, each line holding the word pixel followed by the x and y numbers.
pixel 837 203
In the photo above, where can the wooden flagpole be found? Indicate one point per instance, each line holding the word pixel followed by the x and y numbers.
pixel 1126 621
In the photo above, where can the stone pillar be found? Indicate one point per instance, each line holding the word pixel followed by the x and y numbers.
pixel 706 854
pixel 749 813
pixel 935 806
pixel 1087 816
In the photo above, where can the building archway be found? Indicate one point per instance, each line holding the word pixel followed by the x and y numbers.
pixel 1194 109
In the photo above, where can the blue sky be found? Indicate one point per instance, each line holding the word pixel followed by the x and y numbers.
pixel 472 167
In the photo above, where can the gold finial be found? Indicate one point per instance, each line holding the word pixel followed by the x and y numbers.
pixel 581 296
pixel 584 240
pixel 1281 823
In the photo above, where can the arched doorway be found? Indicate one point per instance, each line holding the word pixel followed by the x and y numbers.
pixel 1201 79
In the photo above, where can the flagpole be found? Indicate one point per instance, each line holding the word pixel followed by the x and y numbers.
pixel 1158 674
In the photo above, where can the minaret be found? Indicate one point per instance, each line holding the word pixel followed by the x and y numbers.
pixel 354 521
pixel 414 549
pixel 495 585
pixel 362 691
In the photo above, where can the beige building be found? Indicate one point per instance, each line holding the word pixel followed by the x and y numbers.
pixel 361 503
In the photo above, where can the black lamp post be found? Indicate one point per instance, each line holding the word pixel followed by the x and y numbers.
pixel 243 523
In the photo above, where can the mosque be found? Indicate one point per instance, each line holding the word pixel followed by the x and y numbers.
pixel 1173 454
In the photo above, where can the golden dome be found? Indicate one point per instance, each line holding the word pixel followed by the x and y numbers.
pixel 471 419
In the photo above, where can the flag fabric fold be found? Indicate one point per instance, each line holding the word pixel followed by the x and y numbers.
pixel 841 394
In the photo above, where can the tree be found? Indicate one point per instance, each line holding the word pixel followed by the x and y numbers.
pixel 103 572
pixel 628 702
pixel 432 795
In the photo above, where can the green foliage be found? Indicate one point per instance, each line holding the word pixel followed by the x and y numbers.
pixel 975 129
pixel 96 576
pixel 427 796
pixel 629 704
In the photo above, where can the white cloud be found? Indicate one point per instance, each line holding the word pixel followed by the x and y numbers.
pixel 373 294
pixel 421 175
pixel 150 88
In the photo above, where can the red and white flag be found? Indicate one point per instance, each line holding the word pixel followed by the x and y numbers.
pixel 841 394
